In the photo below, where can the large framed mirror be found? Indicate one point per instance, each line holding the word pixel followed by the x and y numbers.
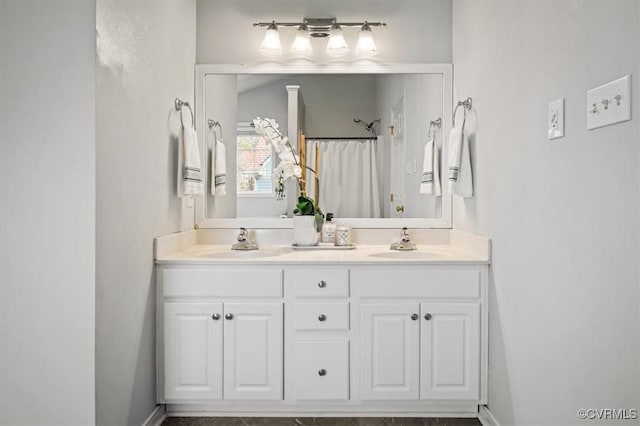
pixel 362 130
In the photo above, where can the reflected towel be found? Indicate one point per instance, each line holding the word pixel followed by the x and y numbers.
pixel 189 168
pixel 219 169
pixel 430 182
pixel 460 172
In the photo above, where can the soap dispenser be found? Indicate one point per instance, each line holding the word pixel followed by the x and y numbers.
pixel 329 230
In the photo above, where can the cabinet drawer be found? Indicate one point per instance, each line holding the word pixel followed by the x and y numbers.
pixel 227 283
pixel 321 282
pixel 322 316
pixel 423 283
pixel 321 370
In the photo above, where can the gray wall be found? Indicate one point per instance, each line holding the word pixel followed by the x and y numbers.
pixel 146 54
pixel 418 30
pixel 47 213
pixel 563 215
pixel 423 100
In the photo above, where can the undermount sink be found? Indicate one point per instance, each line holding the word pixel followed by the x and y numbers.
pixel 243 254
pixel 413 254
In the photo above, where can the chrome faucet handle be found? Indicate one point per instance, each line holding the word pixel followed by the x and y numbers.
pixel 243 241
pixel 404 243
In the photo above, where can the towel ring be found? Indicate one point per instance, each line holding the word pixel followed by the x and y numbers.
pixel 466 104
pixel 433 125
pixel 179 104
pixel 213 125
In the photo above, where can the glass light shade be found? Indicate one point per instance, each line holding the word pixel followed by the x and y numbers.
pixel 271 44
pixel 366 45
pixel 336 46
pixel 302 43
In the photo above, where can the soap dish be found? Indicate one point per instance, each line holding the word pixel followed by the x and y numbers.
pixel 323 246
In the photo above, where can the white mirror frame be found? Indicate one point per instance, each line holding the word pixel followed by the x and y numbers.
pixel 446 70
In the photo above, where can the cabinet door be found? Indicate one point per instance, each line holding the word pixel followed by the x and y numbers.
pixel 390 346
pixel 450 351
pixel 253 335
pixel 193 350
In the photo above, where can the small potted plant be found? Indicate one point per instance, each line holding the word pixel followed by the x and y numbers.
pixel 308 218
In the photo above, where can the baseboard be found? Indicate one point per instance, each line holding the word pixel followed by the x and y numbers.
pixel 486 417
pixel 156 417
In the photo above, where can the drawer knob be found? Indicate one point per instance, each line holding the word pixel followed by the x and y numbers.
pixel 322 318
pixel 322 284
pixel 215 317
pixel 415 317
pixel 322 372
pixel 229 316
pixel 427 317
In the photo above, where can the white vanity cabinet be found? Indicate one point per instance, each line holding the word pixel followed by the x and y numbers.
pixel 220 340
pixel 335 339
pixel 421 333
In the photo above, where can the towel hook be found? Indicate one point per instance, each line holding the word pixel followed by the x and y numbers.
pixel 178 103
pixel 433 125
pixel 215 125
pixel 467 104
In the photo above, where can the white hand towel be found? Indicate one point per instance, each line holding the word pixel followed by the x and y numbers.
pixel 189 168
pixel 219 169
pixel 460 172
pixel 430 182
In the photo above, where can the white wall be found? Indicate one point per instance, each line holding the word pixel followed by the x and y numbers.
pixel 563 215
pixel 47 213
pixel 418 30
pixel 146 55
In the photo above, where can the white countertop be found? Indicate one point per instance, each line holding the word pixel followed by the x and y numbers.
pixel 201 254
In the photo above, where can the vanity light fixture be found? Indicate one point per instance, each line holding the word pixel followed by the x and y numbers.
pixel 337 46
pixel 271 44
pixel 328 28
pixel 302 43
pixel 366 45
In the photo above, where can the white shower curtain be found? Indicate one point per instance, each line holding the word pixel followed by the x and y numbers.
pixel 348 177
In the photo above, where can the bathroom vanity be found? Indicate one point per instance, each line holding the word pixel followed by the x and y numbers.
pixel 365 332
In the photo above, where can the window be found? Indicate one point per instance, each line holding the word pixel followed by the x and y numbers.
pixel 255 162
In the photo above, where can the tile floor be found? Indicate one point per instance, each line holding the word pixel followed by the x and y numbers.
pixel 313 421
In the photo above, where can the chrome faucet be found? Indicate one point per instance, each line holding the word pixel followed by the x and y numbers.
pixel 405 241
pixel 243 241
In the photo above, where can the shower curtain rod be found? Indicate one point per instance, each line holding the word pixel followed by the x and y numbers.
pixel 309 138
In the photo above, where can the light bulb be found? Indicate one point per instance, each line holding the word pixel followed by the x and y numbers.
pixel 336 46
pixel 302 44
pixel 366 45
pixel 271 43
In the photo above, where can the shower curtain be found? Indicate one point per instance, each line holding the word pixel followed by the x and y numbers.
pixel 348 177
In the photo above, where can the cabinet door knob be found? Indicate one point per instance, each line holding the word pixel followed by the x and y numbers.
pixel 322 318
pixel 427 317
pixel 415 317
pixel 322 372
pixel 215 317
pixel 322 284
pixel 229 316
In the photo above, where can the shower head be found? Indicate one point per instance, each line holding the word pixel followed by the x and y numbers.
pixel 368 126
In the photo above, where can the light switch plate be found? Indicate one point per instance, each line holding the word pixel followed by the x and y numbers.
pixel 556 119
pixel 609 104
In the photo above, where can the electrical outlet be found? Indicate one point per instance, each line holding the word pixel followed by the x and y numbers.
pixel 556 119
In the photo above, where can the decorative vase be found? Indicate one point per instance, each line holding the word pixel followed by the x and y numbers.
pixel 304 231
